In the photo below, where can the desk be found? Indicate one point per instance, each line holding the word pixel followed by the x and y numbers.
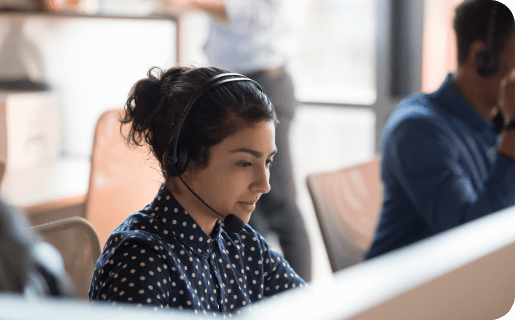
pixel 48 186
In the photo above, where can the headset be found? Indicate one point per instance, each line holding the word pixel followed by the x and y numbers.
pixel 176 156
pixel 486 61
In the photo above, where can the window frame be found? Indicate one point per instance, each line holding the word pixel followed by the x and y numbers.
pixel 399 49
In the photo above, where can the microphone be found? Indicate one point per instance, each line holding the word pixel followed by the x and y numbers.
pixel 232 222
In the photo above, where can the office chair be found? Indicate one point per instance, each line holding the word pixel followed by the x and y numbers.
pixel 122 180
pixel 78 244
pixel 347 204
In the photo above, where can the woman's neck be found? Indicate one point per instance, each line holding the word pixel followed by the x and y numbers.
pixel 193 206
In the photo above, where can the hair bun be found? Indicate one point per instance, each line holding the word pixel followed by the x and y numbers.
pixel 150 90
pixel 160 86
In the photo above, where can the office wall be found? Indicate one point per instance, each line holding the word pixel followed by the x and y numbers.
pixel 90 63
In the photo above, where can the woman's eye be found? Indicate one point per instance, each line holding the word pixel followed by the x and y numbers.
pixel 244 164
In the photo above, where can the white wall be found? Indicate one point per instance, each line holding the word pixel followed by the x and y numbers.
pixel 91 63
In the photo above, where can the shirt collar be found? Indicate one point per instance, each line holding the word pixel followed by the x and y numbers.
pixel 180 225
pixel 456 103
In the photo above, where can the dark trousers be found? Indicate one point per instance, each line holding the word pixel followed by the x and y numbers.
pixel 277 211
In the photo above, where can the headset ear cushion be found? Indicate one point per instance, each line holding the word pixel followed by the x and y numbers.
pixel 486 64
pixel 183 159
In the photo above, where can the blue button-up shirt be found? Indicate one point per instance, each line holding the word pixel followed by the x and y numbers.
pixel 159 256
pixel 440 168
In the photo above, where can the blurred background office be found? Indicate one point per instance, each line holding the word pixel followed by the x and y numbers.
pixel 351 62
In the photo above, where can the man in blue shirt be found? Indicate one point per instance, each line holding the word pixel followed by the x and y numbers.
pixel 448 157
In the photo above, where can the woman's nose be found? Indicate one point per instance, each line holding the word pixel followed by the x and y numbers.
pixel 261 182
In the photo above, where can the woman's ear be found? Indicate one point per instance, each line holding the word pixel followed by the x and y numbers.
pixel 191 170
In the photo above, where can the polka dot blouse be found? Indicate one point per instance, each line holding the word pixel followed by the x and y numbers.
pixel 159 256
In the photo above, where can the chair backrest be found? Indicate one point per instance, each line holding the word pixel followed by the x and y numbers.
pixel 3 139
pixel 78 244
pixel 122 179
pixel 347 204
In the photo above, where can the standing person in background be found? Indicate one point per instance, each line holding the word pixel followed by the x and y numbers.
pixel 242 37
pixel 449 157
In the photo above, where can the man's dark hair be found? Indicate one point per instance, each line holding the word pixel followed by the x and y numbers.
pixel 472 22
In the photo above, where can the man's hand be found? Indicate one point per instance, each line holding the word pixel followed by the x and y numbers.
pixel 507 99
pixel 177 7
pixel 507 104
pixel 59 6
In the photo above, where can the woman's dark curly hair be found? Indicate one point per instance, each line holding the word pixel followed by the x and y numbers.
pixel 156 103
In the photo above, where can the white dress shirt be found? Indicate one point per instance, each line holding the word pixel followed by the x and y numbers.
pixel 248 42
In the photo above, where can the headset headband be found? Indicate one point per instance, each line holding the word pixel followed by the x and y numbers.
pixel 491 27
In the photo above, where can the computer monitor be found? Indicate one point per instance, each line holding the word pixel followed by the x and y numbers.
pixel 464 273
pixel 18 307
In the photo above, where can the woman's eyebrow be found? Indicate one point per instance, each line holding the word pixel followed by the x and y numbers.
pixel 254 153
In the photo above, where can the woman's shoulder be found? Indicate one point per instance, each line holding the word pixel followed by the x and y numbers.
pixel 137 225
pixel 139 230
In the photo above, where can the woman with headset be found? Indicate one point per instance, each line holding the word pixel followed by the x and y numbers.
pixel 213 133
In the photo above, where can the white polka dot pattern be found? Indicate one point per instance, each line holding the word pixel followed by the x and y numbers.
pixel 160 257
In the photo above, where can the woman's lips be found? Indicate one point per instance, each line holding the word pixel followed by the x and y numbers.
pixel 251 206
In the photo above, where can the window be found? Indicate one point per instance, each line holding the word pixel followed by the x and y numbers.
pixel 330 45
pixel 332 50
